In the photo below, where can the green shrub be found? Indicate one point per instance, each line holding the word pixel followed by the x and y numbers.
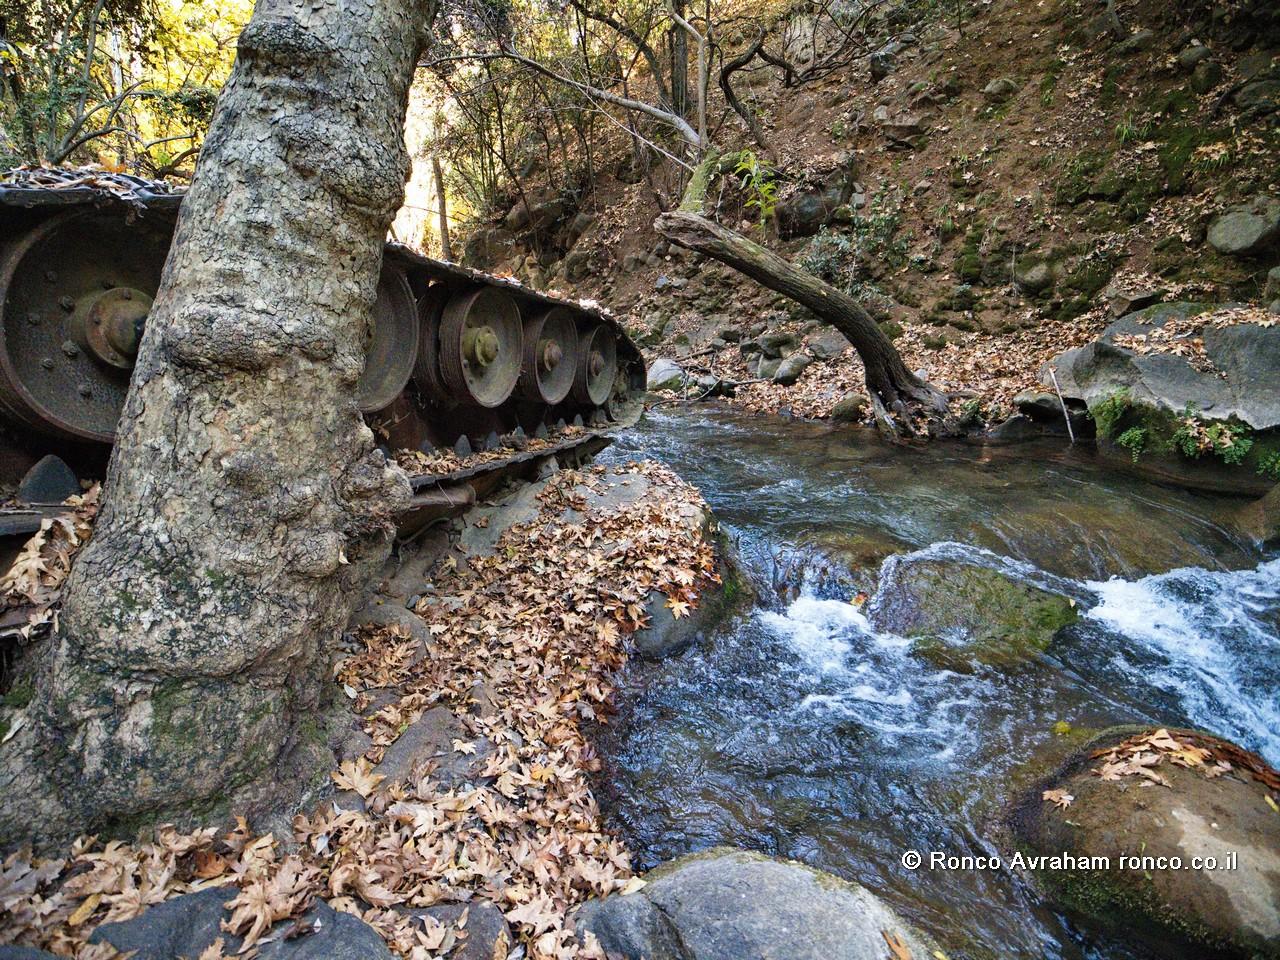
pixel 1134 440
pixel 1269 464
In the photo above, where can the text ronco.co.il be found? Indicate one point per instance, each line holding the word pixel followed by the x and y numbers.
pixel 939 860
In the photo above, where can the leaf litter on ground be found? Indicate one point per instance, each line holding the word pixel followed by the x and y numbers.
pixel 539 626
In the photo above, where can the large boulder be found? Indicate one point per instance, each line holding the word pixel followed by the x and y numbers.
pixel 1151 794
pixel 1247 229
pixel 187 925
pixel 486 247
pixel 814 206
pixel 537 217
pixel 729 904
pixel 1245 357
pixel 665 374
pixel 960 614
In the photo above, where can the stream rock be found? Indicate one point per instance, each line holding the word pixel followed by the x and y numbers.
pixel 187 925
pixel 1191 912
pixel 1260 520
pixel 850 408
pixel 1242 386
pixel 960 614
pixel 665 374
pixel 666 635
pixel 729 904
pixel 1244 354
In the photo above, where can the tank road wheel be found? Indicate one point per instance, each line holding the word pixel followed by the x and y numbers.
pixel 426 367
pixel 393 342
pixel 74 296
pixel 481 345
pixel 550 355
pixel 597 366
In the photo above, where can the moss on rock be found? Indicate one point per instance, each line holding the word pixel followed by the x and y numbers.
pixel 961 615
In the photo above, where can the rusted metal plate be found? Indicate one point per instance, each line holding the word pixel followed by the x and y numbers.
pixel 55 377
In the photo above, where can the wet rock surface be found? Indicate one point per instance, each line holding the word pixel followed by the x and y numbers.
pixel 1148 802
pixel 729 904
pixel 960 614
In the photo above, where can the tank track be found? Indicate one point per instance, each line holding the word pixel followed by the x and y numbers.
pixel 471 378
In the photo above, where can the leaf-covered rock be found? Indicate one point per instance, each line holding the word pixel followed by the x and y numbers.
pixel 1138 792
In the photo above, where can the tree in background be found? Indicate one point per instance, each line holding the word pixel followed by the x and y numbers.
pixel 131 83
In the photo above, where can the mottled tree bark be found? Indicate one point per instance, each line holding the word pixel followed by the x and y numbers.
pixel 245 501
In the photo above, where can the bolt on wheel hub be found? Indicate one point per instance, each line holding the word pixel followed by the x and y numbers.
pixel 109 324
pixel 480 345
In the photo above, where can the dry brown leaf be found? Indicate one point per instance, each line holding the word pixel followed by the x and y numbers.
pixel 1059 798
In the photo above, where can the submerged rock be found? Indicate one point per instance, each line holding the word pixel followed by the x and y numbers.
pixel 960 614
pixel 1102 538
pixel 1173 810
pixel 1260 520
pixel 729 904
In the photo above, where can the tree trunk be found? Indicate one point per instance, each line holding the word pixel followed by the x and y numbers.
pixel 679 64
pixel 442 210
pixel 888 378
pixel 246 502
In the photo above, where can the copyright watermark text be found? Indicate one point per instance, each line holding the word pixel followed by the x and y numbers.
pixel 941 860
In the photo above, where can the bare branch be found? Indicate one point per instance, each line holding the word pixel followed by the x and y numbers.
pixel 678 123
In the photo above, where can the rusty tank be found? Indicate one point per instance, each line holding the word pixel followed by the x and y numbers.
pixel 458 361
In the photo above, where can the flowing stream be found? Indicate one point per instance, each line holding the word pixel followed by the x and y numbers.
pixel 796 729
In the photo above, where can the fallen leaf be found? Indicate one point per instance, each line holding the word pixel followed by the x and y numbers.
pixel 1059 798
pixel 85 910
pixel 898 950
